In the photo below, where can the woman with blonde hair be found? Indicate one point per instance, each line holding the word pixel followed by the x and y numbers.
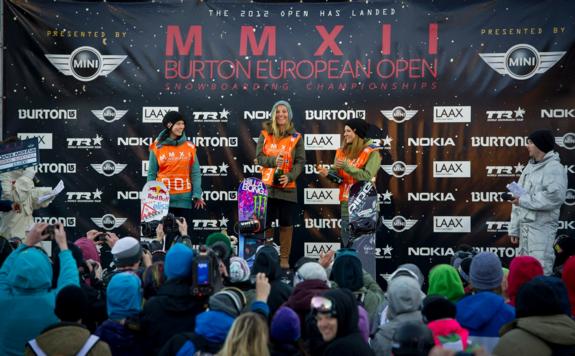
pixel 247 337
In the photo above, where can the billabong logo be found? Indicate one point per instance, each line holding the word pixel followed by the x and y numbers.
pixel 44 139
pixel 521 61
pixel 398 114
pixel 108 168
pixel 399 169
pixel 566 141
pixel 85 63
pixel 109 114
pixel 108 222
pixel 155 114
pixel 399 223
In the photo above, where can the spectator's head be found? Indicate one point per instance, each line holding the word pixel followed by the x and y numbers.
pixel 152 279
pixel 461 261
pixel 535 298
pixel 127 252
pixel 336 313
pixel 560 291
pixel 569 279
pixel 347 271
pixel 88 248
pixel 409 270
pixel 71 304
pixel 124 296
pixel 436 307
pixel 485 272
pixel 564 248
pixel 403 296
pixel 178 263
pixel 521 270
pixel 539 142
pixel 229 300
pixel 220 241
pixel 285 327
pixel 444 280
pixel 267 261
pixel 310 271
pixel 32 271
pixel 239 270
pixel 248 336
pixel 412 338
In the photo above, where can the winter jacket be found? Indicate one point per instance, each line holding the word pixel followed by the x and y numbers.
pixel 444 280
pixel 26 299
pixel 448 334
pixel 483 314
pixel 173 310
pixel 183 200
pixel 300 300
pixel 569 279
pixel 67 339
pixel 298 159
pixel 370 294
pixel 536 219
pixel 535 335
pixel 121 339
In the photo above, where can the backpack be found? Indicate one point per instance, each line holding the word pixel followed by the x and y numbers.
pixel 88 345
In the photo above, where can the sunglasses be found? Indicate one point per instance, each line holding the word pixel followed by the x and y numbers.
pixel 322 305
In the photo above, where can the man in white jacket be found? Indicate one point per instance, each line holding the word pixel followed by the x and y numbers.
pixel 535 213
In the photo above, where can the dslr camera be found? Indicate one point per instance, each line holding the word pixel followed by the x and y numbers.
pixel 169 222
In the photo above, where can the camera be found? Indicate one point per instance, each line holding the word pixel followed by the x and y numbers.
pixel 206 273
pixel 101 237
pixel 50 230
pixel 334 178
pixel 169 222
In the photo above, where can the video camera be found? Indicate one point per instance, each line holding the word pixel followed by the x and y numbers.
pixel 169 223
pixel 206 272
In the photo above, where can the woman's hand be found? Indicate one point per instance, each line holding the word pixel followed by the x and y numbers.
pixel 321 170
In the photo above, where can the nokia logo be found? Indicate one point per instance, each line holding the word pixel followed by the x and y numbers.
pixel 321 196
pixel 335 114
pixel 557 113
pixel 430 141
pixel 451 169
pixel 251 168
pixel 108 168
pixel 452 224
pixel 85 63
pixel 257 115
pixel 44 114
pixel 155 114
pixel 398 114
pixel 134 141
pixel 521 61
pixel 566 141
pixel 211 116
pixel 44 139
pixel 505 115
pixel 128 195
pixel 399 169
pixel 109 114
pixel 108 222
pixel 399 223
pixel 317 142
pixel 427 196
pixel 450 114
pixel 84 142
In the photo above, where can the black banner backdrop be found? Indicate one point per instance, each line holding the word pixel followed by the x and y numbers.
pixel 452 90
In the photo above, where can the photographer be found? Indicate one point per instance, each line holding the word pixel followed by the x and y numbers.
pixel 128 256
pixel 26 297
pixel 173 230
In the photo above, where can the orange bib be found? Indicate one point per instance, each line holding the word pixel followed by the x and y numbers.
pixel 348 180
pixel 274 147
pixel 175 165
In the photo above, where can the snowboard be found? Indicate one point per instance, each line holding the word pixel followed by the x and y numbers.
pixel 154 204
pixel 252 208
pixel 363 211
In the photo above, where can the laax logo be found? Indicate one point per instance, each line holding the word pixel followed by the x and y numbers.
pixel 108 167
pixel 498 141
pixel 505 115
pixel 322 223
pixel 155 114
pixel 312 168
pixel 399 223
pixel 399 169
pixel 451 169
pixel 385 198
pixel 398 114
pixel 134 141
pixel 128 195
pixel 316 142
pixel 210 224
pixel 451 114
pixel 84 197
pixel 557 113
pixel 211 116
pixel 567 141
pixel 215 195
pixel 570 197
pixel 215 141
pixel 86 143
pixel 505 171
pixel 44 139
pixel 109 114
pixel 315 249
pixel 521 61
pixel 257 115
pixel 452 224
pixel 66 221
pixel 321 196
pixel 497 226
pixel 427 196
pixel 251 168
pixel 108 222
pixel 430 141
pixel 384 252
pixel 44 114
pixel 55 168
pixel 335 114
pixel 486 197
pixel 215 171
pixel 85 63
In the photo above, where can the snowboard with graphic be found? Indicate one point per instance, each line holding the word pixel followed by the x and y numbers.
pixel 154 201
pixel 363 211
pixel 252 208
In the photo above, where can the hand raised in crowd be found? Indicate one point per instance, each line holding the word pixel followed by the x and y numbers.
pixel 146 258
pixel 160 236
pixel 60 237
pixel 263 287
pixel 325 259
pixel 111 239
pixel 91 235
pixel 36 234
pixel 182 226
pixel 321 170
pixel 233 240
pixel 16 207
pixel 199 203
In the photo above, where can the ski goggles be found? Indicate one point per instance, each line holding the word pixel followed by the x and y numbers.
pixel 323 305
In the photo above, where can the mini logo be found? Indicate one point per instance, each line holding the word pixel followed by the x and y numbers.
pixel 384 252
pixel 385 198
pixel 398 114
pixel 557 113
pixel 430 197
pixel 108 168
pixel 108 222
pixel 497 226
pixel 322 223
pixel 44 114
pixel 134 141
pixel 335 114
pixel 215 171
pixel 314 249
pixel 216 195
pixel 399 169
pixel 567 141
pixel 430 141
pixel 211 116
pixel 86 143
pixel 44 139
pixel 521 61
pixel 109 114
pixel 84 197
pixel 498 141
pixel 452 224
pixel 570 197
pixel 155 114
pixel 210 224
pixel 505 115
pixel 505 171
pixel 257 115
pixel 451 169
pixel 321 196
pixel 215 141
pixel 399 223
pixel 450 114
pixel 316 142
pixel 85 63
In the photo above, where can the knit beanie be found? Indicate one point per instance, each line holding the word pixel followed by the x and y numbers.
pixel 485 272
pixel 171 118
pixel 71 304
pixel 239 270
pixel 444 280
pixel 229 300
pixel 347 271
pixel 358 126
pixel 309 271
pixel 218 236
pixel 124 296
pixel 521 270
pixel 437 307
pixel 560 291
pixel 178 263
pixel 89 249
pixel 285 327
pixel 126 251
pixel 535 298
pixel 287 105
pixel 568 277
pixel 543 139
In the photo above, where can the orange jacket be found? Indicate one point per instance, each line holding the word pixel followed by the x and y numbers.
pixel 274 147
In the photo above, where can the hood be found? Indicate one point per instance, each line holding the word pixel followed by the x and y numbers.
pixel 521 270
pixel 403 296
pixel 556 329
pixel 116 334
pixel 560 291
pixel 89 249
pixel 301 297
pixel 347 272
pixel 177 296
pixel 476 311
pixel 549 157
pixel 31 271
pixel 164 139
pixel 267 261
pixel 444 280
pixel 446 327
pixel 213 325
pixel 346 308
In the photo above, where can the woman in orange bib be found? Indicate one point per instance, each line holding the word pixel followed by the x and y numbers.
pixel 357 160
pixel 280 152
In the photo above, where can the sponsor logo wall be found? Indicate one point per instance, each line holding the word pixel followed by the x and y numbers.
pixel 451 107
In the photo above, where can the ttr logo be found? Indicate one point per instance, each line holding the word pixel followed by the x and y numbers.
pixel 85 63
pixel 399 114
pixel 521 61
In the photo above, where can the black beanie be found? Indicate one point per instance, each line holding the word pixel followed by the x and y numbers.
pixel 71 304
pixel 359 126
pixel 437 307
pixel 172 117
pixel 543 139
pixel 535 298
